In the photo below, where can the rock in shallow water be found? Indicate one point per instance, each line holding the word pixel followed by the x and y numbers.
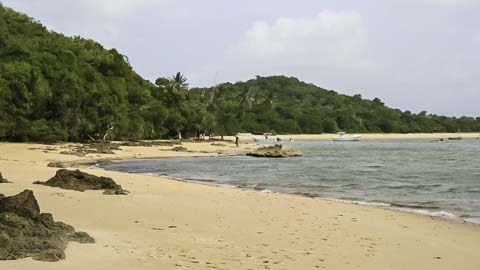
pixel 80 181
pixel 25 232
pixel 275 151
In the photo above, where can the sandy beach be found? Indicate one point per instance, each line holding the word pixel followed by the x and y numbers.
pixel 169 224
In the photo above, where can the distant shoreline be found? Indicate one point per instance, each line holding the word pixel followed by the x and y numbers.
pixel 368 136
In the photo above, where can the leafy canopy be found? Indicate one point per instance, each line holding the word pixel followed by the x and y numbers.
pixel 59 88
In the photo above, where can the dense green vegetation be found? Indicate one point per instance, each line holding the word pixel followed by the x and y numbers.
pixel 54 87
pixel 286 105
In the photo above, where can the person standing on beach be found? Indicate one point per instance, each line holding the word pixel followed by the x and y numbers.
pixel 236 140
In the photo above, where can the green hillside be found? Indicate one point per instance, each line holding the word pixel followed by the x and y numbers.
pixel 59 88
pixel 286 105
pixel 54 87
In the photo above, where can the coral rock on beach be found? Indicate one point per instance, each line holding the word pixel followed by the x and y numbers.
pixel 179 149
pixel 55 164
pixel 80 181
pixel 275 151
pixel 25 232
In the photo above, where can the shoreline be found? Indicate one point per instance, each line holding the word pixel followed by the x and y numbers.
pixel 368 136
pixel 440 213
pixel 174 224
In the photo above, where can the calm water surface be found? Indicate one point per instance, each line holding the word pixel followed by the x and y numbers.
pixel 439 178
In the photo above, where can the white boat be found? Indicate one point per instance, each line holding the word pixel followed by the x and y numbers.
pixel 264 138
pixel 342 137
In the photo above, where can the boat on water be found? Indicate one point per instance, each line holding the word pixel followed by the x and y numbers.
pixel 266 137
pixel 343 137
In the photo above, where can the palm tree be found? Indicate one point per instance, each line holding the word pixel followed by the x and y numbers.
pixel 215 95
pixel 179 82
pixel 246 99
pixel 177 88
pixel 271 100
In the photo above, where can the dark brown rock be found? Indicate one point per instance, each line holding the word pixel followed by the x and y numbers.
pixel 24 204
pixel 25 232
pixel 3 180
pixel 80 181
pixel 179 149
pixel 55 164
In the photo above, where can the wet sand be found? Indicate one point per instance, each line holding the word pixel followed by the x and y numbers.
pixel 168 224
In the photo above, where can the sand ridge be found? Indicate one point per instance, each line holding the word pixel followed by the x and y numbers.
pixel 168 224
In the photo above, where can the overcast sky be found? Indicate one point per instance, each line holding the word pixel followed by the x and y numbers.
pixel 413 54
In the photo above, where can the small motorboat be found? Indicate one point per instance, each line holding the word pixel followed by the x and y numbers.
pixel 342 137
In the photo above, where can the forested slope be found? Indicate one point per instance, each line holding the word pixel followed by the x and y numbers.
pixel 59 88
pixel 286 105
pixel 54 87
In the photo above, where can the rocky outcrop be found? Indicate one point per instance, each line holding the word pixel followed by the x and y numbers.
pixel 80 181
pixel 179 149
pixel 92 148
pixel 275 151
pixel 25 232
pixel 3 180
pixel 56 164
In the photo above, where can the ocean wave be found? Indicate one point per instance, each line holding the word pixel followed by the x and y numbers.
pixel 415 206
pixel 406 186
pixel 352 185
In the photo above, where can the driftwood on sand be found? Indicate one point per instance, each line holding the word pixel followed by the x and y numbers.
pixel 25 232
pixel 80 181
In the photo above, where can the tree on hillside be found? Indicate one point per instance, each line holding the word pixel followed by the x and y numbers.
pixel 179 82
pixel 246 98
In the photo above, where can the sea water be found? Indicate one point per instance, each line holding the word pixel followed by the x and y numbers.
pixel 425 176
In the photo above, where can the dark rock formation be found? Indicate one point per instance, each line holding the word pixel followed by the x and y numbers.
pixel 179 149
pixel 92 148
pixel 3 180
pixel 55 164
pixel 25 232
pixel 274 151
pixel 81 181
